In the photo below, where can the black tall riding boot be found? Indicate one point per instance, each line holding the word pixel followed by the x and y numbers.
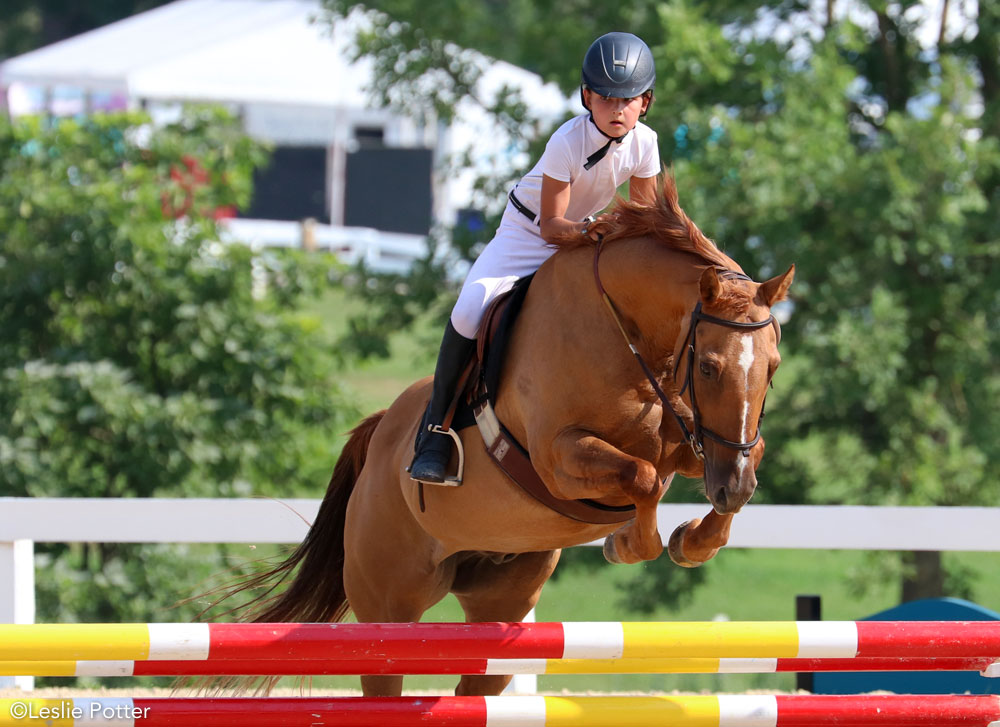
pixel 433 450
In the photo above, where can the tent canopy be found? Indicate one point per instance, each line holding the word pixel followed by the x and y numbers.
pixel 246 51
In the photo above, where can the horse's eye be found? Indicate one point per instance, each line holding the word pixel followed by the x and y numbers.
pixel 705 369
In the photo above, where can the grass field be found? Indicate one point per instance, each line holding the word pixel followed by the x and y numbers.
pixel 740 584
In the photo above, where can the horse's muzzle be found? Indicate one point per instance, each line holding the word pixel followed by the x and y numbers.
pixel 728 488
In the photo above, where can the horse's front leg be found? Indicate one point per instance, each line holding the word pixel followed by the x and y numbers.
pixel 585 466
pixel 697 541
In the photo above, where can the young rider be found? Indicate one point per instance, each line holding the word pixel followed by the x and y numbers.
pixel 584 163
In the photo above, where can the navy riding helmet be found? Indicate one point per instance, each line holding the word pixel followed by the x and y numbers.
pixel 618 65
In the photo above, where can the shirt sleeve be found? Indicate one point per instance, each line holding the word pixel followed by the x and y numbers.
pixel 649 166
pixel 556 160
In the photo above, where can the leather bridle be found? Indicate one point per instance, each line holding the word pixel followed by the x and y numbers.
pixel 695 434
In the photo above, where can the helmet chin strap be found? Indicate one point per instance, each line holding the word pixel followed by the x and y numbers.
pixel 603 151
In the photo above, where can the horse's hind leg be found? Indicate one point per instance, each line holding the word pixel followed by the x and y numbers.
pixel 398 599
pixel 499 591
pixel 392 573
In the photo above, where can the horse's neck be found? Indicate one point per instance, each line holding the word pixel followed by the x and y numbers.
pixel 653 287
pixel 569 365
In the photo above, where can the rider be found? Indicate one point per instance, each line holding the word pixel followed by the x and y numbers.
pixel 584 163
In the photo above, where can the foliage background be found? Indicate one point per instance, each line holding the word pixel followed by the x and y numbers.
pixel 135 360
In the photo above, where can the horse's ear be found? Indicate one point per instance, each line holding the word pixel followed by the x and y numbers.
pixel 776 288
pixel 710 285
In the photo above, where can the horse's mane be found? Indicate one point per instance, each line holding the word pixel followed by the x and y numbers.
pixel 665 222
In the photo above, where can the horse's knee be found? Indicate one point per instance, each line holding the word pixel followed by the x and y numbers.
pixel 642 482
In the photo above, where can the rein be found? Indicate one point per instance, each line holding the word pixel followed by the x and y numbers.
pixel 695 434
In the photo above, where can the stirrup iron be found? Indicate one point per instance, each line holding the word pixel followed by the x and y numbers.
pixel 456 479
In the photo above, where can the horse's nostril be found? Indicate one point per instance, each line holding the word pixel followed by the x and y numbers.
pixel 720 497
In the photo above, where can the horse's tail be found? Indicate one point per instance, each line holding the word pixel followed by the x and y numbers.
pixel 316 567
pixel 316 592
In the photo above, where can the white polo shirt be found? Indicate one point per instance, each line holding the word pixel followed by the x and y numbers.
pixel 590 189
pixel 518 249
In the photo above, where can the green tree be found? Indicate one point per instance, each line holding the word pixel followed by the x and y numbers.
pixel 135 360
pixel 848 144
pixel 877 179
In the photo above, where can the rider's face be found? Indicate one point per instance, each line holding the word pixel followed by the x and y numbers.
pixel 615 116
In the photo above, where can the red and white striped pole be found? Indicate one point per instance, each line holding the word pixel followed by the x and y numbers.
pixel 988 666
pixel 570 640
pixel 677 711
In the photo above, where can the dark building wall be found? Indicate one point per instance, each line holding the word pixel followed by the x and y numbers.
pixel 292 186
pixel 389 189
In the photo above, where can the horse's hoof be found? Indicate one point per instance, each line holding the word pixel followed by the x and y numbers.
pixel 675 546
pixel 610 551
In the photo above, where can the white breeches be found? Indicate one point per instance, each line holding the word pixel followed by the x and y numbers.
pixel 516 250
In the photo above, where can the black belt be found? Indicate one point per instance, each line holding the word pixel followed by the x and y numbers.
pixel 521 207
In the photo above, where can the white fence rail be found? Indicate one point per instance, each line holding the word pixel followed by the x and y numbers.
pixel 264 520
pixel 25 521
pixel 383 252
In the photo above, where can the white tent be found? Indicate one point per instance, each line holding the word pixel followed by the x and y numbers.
pixel 249 53
pixel 280 64
pixel 218 50
pixel 258 54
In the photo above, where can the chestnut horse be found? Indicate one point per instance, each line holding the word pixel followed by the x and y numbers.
pixel 575 395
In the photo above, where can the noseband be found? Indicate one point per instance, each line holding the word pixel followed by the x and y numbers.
pixel 694 435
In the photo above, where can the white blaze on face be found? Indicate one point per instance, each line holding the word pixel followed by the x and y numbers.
pixel 746 361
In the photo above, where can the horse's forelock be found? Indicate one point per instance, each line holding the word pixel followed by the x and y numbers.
pixel 733 302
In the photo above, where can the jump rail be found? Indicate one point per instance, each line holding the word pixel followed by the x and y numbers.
pixel 987 666
pixel 695 711
pixel 500 648
pixel 566 640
